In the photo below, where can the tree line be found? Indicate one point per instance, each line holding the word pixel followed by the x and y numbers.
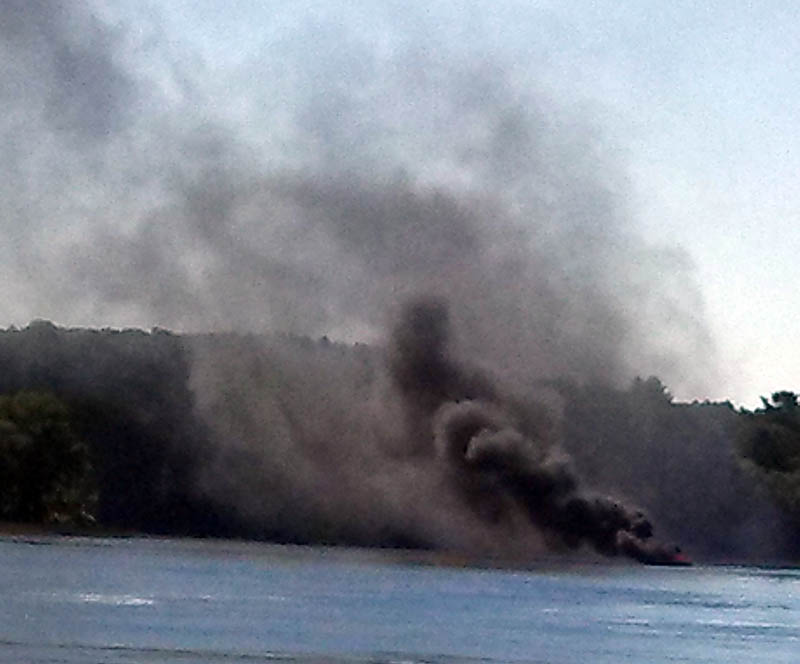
pixel 100 427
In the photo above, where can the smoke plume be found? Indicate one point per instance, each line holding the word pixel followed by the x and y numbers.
pixel 315 441
pixel 497 462
pixel 354 159
pixel 319 187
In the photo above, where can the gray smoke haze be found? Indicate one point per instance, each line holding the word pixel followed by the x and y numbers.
pixel 311 445
pixel 367 167
pixel 315 188
pixel 61 64
pixel 321 442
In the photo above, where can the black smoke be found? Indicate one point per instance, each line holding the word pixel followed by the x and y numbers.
pixel 493 456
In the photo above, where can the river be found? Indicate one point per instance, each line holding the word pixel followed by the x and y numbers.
pixel 172 600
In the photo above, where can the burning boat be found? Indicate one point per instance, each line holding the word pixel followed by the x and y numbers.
pixel 652 553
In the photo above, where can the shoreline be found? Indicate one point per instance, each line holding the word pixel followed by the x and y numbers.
pixel 12 529
pixel 31 533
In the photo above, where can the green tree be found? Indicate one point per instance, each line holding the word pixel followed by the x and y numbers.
pixel 768 442
pixel 45 471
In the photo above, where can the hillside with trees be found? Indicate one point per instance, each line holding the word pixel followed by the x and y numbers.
pixel 768 442
pixel 128 402
pixel 678 461
pixel 45 471
pixel 290 439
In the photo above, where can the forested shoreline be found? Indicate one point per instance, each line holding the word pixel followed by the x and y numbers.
pixel 132 430
pixel 128 401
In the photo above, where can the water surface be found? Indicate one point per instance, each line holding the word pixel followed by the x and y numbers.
pixel 152 600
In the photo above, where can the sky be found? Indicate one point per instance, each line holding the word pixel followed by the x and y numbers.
pixel 636 162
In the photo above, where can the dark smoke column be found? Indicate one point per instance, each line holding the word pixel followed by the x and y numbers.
pixel 476 433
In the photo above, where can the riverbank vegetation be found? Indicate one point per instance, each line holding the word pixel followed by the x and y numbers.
pixel 130 430
pixel 45 472
pixel 768 443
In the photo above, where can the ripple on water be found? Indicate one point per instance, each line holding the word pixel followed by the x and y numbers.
pixel 115 600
